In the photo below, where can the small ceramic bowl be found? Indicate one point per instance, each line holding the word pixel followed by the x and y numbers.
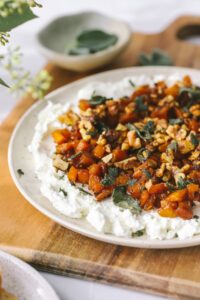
pixel 56 38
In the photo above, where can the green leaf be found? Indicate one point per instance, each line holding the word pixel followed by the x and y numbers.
pixel 156 58
pixel 109 178
pixel 194 139
pixel 100 126
pixel 138 233
pixel 125 201
pixel 15 19
pixel 97 100
pixel 140 106
pixel 193 93
pixel 182 183
pixel 20 172
pixel 92 41
pixel 147 173
pixel 131 83
pixel 63 191
pixel 146 132
pixel 74 155
pixel 175 121
pixel 170 187
pixel 143 154
pixel 3 83
pixel 132 182
pixel 84 191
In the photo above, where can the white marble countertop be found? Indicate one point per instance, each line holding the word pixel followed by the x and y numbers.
pixel 146 16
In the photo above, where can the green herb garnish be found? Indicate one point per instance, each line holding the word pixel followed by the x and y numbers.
pixel 110 177
pixel 182 183
pixel 175 121
pixel 170 187
pixel 194 139
pixel 97 100
pixel 92 41
pixel 138 233
pixel 140 106
pixel 92 133
pixel 131 83
pixel 156 58
pixel 84 191
pixel 20 172
pixel 196 217
pixel 100 126
pixel 74 155
pixel 146 132
pixel 123 200
pixel 193 93
pixel 147 173
pixel 63 191
pixel 143 154
pixel 132 182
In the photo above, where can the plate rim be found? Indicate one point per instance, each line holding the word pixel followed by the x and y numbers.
pixel 108 238
pixel 29 271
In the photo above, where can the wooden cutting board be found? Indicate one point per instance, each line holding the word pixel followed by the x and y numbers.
pixel 28 234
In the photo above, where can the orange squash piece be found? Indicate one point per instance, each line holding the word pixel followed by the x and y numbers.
pixel 85 160
pixel 167 212
pixel 193 189
pixel 82 146
pixel 95 184
pixel 64 148
pixel 84 104
pixel 72 174
pixel 61 136
pixel 95 169
pixel 83 176
pixel 158 188
pixel 135 190
pixel 104 194
pixel 144 197
pixel 118 155
pixel 178 196
pixel 99 151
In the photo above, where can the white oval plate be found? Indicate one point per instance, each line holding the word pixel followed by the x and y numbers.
pixel 20 158
pixel 23 281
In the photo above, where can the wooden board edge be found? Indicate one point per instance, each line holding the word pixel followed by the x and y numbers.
pixel 72 267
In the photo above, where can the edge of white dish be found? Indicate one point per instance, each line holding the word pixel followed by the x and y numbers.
pixel 66 221
pixel 22 272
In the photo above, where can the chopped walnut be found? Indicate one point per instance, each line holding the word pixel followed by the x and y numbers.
pixel 107 158
pixel 69 118
pixel 195 110
pixel 185 146
pixel 133 140
pixel 59 163
pixel 125 164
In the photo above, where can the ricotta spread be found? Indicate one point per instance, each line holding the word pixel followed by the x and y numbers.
pixel 104 216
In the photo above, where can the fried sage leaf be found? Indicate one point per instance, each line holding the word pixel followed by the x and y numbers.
pixel 110 177
pixel 156 58
pixel 97 100
pixel 123 200
pixel 92 41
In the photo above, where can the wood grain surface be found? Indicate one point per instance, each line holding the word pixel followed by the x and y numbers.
pixel 28 234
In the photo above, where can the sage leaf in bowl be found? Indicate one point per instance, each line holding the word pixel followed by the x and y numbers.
pixel 156 58
pixel 92 41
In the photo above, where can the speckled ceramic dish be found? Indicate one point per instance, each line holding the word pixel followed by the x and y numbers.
pixel 23 281
pixel 56 38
